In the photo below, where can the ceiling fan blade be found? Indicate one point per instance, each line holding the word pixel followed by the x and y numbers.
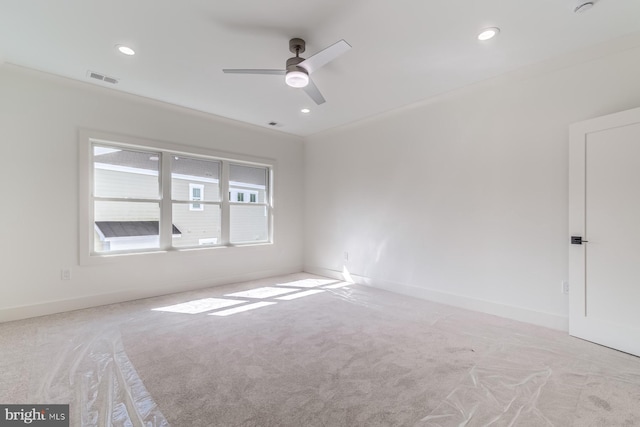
pixel 312 90
pixel 324 56
pixel 253 71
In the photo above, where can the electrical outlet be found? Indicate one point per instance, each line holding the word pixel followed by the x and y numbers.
pixel 565 287
pixel 346 256
pixel 65 274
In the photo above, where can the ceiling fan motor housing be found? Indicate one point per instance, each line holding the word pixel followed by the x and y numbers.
pixel 292 64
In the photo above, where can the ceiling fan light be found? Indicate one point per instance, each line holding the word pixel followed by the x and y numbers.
pixel 296 79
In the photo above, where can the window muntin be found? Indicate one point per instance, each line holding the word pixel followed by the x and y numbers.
pixel 127 190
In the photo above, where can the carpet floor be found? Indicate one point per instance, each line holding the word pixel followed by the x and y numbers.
pixel 302 350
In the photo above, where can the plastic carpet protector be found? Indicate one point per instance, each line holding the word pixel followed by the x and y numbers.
pixel 496 391
pixel 532 380
pixel 315 353
pixel 494 396
pixel 522 379
pixel 93 373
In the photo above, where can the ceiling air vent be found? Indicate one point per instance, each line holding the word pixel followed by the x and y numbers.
pixel 98 76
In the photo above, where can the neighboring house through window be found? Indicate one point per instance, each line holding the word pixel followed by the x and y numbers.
pixel 243 195
pixel 196 193
pixel 142 196
pixel 123 235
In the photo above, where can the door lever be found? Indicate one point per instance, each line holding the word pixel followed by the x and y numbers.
pixel 577 240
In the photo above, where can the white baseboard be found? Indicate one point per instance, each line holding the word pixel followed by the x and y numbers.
pixel 60 306
pixel 548 320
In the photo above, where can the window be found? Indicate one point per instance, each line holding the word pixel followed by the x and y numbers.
pixel 249 214
pixel 196 192
pixel 195 180
pixel 140 197
pixel 126 196
pixel 243 195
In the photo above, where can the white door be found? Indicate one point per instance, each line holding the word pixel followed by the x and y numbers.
pixel 604 210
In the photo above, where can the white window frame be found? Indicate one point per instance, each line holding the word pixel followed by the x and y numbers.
pixel 87 138
pixel 192 198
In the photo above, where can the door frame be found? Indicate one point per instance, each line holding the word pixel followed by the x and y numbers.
pixel 580 325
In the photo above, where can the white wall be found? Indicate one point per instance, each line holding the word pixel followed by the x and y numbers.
pixel 463 199
pixel 39 120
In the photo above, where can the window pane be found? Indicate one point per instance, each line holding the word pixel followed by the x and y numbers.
pixel 249 223
pixel 126 226
pixel 248 180
pixel 188 174
pixel 196 228
pixel 125 173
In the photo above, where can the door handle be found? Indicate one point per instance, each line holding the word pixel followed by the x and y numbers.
pixel 577 240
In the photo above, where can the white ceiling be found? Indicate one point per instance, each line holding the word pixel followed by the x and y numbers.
pixel 403 51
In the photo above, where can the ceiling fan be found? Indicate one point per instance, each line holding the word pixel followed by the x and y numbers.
pixel 298 69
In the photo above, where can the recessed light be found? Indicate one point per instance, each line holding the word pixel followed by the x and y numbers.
pixel 305 111
pixel 488 33
pixel 125 50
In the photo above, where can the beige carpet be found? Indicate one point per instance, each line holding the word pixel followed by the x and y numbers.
pixel 302 350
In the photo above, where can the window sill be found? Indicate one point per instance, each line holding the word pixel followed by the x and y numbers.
pixel 109 258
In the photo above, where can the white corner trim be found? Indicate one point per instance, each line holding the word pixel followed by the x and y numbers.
pixel 548 320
